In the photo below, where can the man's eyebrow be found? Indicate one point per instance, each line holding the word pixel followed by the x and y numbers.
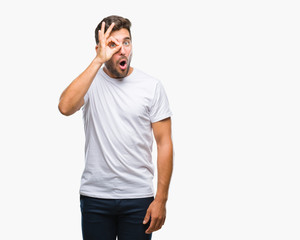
pixel 127 38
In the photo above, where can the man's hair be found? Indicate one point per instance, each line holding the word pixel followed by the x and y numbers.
pixel 120 23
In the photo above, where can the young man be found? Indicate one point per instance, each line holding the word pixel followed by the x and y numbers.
pixel 121 106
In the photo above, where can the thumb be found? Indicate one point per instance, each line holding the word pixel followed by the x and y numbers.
pixel 116 49
pixel 147 217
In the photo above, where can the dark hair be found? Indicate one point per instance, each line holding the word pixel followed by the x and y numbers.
pixel 120 23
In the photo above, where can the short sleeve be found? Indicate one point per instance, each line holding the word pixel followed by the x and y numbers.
pixel 86 99
pixel 160 108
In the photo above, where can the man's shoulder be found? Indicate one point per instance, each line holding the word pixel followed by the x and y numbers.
pixel 145 76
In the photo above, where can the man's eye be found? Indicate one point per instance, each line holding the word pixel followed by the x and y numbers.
pixel 126 43
pixel 112 45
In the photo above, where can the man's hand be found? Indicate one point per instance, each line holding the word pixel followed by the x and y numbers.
pixel 157 213
pixel 107 45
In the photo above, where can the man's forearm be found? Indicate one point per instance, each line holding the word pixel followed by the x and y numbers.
pixel 72 98
pixel 164 170
pixel 157 209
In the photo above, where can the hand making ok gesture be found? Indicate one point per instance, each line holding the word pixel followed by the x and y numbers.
pixel 104 48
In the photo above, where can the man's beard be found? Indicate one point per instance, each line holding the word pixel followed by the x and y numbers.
pixel 113 68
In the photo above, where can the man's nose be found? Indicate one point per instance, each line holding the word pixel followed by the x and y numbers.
pixel 122 50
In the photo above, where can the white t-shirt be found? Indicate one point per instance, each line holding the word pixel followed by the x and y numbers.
pixel 117 116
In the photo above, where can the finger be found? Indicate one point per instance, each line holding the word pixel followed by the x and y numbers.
pixel 159 224
pixel 102 28
pixel 107 33
pixel 100 38
pixel 101 34
pixel 112 40
pixel 114 45
pixel 163 222
pixel 151 228
pixel 147 218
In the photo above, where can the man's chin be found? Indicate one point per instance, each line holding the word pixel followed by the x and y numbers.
pixel 117 72
pixel 122 73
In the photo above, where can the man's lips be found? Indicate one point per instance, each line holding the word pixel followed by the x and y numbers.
pixel 123 64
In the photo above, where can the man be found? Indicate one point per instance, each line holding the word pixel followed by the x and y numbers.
pixel 121 106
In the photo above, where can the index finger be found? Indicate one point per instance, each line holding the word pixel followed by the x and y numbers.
pixel 108 31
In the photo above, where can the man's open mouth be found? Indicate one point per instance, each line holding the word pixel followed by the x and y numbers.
pixel 123 64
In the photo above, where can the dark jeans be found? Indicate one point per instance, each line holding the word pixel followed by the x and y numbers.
pixel 104 219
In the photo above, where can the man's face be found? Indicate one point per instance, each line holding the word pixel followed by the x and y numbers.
pixel 119 65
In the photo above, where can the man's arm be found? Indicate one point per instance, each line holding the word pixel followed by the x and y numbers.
pixel 157 209
pixel 72 98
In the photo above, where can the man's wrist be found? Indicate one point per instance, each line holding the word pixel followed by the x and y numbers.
pixel 161 199
pixel 97 60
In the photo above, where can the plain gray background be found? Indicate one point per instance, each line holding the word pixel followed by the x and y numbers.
pixel 231 71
